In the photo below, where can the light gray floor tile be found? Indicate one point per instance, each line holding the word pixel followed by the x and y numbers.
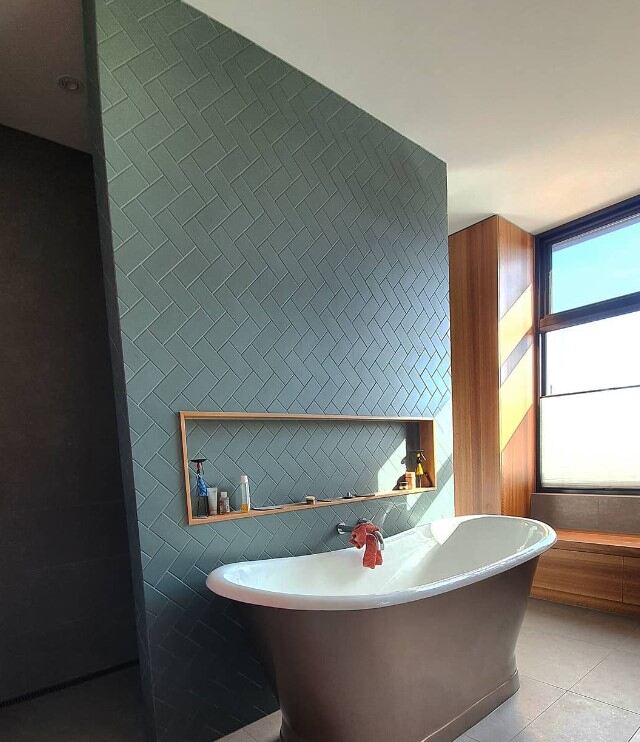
pixel 266 729
pixel 605 629
pixel 557 660
pixel 464 738
pixel 574 718
pixel 631 645
pixel 616 680
pixel 514 714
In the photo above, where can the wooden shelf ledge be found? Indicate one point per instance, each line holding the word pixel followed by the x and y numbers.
pixel 598 542
pixel 298 506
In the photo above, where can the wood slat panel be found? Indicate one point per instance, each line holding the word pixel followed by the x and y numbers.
pixel 473 291
pixel 517 367
pixel 518 469
pixel 492 367
pixel 631 580
pixel 580 573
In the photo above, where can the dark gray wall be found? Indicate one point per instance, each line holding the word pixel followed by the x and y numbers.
pixel 66 608
pixel 275 248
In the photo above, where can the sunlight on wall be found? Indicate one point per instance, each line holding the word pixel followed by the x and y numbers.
pixel 515 344
pixel 440 505
pixel 516 324
pixel 428 506
pixel 516 398
pixel 392 469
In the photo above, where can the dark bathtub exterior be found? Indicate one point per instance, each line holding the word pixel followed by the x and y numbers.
pixel 423 670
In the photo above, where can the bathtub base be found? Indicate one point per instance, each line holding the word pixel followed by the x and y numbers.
pixel 424 671
pixel 475 713
pixel 455 727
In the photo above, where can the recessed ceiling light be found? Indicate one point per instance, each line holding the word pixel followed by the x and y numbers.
pixel 69 84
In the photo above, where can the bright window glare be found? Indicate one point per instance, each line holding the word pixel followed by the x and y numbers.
pixel 597 266
pixel 596 355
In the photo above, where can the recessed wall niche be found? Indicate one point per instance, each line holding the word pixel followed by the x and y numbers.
pixel 288 457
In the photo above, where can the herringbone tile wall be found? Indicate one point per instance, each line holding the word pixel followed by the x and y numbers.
pixel 287 460
pixel 276 248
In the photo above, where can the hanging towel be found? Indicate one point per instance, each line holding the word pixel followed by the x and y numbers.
pixel 364 535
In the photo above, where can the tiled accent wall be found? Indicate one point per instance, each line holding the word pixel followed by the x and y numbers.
pixel 287 460
pixel 277 249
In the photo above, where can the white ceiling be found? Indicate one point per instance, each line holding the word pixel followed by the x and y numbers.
pixel 533 104
pixel 40 40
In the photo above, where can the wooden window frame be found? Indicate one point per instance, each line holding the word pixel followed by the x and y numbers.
pixel 546 321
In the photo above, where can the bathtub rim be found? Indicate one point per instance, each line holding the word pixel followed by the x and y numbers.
pixel 218 583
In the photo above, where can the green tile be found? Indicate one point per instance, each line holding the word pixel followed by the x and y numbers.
pixel 153 130
pixel 116 50
pixel 121 117
pixel 126 185
pixel 158 196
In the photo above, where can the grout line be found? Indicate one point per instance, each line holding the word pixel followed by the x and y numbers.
pixel 633 735
pixel 544 711
pixel 606 703
pixel 582 677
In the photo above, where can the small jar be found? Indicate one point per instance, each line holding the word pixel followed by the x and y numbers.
pixel 223 504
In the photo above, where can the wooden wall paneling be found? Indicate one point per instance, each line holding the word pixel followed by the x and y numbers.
pixel 493 367
pixel 592 569
pixel 631 580
pixel 580 573
pixel 516 340
pixel 474 367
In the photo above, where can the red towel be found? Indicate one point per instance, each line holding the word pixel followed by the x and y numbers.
pixel 364 535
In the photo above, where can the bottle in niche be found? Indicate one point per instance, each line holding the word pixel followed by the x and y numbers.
pixel 201 495
pixel 245 497
pixel 212 497
pixel 223 504
pixel 422 478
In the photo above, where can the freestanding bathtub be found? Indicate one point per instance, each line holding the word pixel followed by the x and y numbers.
pixel 420 648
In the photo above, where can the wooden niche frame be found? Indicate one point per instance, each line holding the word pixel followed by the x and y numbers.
pixel 423 433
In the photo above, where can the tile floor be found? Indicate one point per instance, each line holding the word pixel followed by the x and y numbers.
pixel 579 682
pixel 579 673
pixel 105 709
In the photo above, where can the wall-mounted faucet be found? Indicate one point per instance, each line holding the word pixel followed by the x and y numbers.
pixel 344 530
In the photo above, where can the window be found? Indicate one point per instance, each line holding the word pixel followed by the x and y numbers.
pixel 589 335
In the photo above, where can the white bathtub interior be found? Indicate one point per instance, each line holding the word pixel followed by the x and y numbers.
pixel 426 560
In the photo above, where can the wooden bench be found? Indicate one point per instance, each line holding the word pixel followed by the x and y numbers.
pixel 591 569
